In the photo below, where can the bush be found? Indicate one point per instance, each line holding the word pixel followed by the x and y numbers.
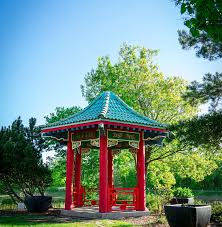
pixel 154 202
pixel 183 192
pixel 216 212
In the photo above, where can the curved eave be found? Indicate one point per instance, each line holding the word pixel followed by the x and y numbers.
pixel 106 122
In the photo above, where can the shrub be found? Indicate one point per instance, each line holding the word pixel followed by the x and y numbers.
pixel 216 212
pixel 182 192
pixel 154 202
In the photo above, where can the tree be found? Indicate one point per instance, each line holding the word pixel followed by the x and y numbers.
pixel 57 115
pixel 58 164
pixel 61 113
pixel 210 90
pixel 204 130
pixel 203 20
pixel 21 166
pixel 138 81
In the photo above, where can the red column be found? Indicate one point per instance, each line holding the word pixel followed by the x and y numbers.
pixel 110 168
pixel 141 203
pixel 110 178
pixel 103 175
pixel 78 177
pixel 69 175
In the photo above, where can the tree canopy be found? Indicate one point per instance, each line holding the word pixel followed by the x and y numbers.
pixel 138 81
pixel 21 167
pixel 204 21
pixel 61 113
pixel 205 129
pixel 203 18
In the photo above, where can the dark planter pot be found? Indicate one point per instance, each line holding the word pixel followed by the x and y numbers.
pixel 38 203
pixel 187 215
pixel 177 200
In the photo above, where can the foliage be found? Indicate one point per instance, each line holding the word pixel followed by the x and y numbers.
pixel 90 169
pixel 203 18
pixel 212 181
pixel 210 90
pixel 156 200
pixel 58 163
pixel 137 80
pixel 201 130
pixel 58 167
pixel 61 113
pixel 216 212
pixel 124 169
pixel 182 192
pixel 21 166
pixel 160 176
pixel 58 114
pixel 196 165
pixel 205 129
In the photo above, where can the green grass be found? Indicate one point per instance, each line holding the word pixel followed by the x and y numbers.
pixel 52 221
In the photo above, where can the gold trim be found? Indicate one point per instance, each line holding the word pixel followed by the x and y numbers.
pixel 154 138
pixel 86 139
pixel 134 144
pixel 123 131
pixel 77 144
pixel 95 142
pixel 112 142
pixel 62 139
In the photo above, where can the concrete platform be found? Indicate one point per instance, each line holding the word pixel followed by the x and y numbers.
pixel 93 213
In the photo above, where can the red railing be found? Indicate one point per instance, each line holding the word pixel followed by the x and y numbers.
pixel 119 198
pixel 88 196
pixel 123 198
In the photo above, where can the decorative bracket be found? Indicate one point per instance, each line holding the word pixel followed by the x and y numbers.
pixel 112 143
pixel 76 144
pixel 95 142
pixel 134 144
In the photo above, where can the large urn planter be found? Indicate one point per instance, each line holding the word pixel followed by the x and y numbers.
pixel 179 215
pixel 38 203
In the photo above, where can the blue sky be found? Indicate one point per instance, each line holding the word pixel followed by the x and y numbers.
pixel 47 47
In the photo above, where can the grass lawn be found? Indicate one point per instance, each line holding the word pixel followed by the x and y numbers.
pixel 53 221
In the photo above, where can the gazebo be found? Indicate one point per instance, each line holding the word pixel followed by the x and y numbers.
pixel 109 125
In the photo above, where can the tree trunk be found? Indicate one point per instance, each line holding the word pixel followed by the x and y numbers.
pixel 14 196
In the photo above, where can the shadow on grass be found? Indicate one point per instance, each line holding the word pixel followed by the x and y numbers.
pixel 51 221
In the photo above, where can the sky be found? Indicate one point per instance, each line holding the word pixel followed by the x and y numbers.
pixel 48 46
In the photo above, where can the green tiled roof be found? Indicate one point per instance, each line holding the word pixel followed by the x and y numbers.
pixel 108 106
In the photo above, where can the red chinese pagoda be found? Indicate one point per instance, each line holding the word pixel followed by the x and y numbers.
pixel 109 125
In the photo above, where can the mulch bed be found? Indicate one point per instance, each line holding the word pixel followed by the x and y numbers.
pixel 151 220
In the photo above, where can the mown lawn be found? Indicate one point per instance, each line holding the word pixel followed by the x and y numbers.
pixel 53 221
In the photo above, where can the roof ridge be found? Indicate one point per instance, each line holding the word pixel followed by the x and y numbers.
pixel 105 107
